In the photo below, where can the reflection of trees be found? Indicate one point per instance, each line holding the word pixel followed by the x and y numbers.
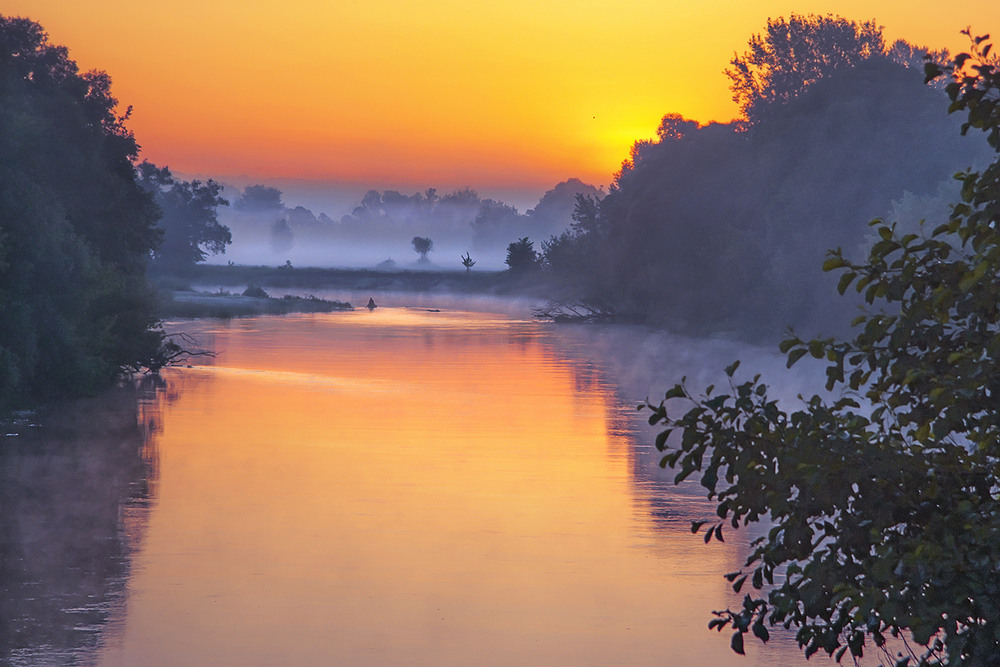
pixel 594 355
pixel 75 495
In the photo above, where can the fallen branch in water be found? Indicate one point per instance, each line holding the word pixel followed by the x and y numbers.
pixel 575 311
pixel 175 350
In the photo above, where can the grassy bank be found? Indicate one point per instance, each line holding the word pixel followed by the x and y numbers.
pixel 190 304
pixel 237 277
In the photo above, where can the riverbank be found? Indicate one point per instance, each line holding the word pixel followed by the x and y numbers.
pixel 237 277
pixel 191 304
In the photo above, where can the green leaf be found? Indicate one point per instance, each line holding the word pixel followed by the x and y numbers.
pixel 661 439
pixel 794 356
pixel 902 490
pixel 832 263
pixel 845 281
pixel 718 623
pixel 737 643
pixel 760 631
pixel 677 391
pixel 709 479
pixel 972 278
pixel 788 344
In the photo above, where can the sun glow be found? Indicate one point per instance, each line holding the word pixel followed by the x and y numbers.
pixel 440 93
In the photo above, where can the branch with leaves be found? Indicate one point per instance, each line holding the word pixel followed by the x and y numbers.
pixel 882 495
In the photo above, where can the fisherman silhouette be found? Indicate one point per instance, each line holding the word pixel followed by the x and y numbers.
pixel 371 304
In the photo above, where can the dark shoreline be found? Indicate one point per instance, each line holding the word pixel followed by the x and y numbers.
pixel 471 282
pixel 189 304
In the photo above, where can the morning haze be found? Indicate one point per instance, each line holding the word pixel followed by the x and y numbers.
pixel 324 328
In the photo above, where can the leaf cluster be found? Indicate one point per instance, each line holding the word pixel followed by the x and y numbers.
pixel 188 216
pixel 882 495
pixel 76 230
pixel 792 54
pixel 521 255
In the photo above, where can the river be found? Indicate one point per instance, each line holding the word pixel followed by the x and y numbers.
pixel 407 486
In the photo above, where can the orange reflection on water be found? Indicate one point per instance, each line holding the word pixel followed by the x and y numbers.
pixel 405 487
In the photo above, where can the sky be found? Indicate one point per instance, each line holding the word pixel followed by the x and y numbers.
pixel 499 96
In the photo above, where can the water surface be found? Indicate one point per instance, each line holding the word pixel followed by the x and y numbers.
pixel 413 488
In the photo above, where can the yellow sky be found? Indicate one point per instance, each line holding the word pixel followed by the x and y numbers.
pixel 520 93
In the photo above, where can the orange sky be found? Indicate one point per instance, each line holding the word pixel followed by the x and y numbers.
pixel 444 93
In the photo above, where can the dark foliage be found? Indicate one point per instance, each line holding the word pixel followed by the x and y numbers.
pixel 188 217
pixel 422 246
pixel 394 210
pixel 468 262
pixel 882 495
pixel 76 230
pixel 521 256
pixel 496 223
pixel 260 199
pixel 715 227
pixel 793 54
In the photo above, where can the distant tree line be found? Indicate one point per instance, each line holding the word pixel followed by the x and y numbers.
pixel 493 222
pixel 488 224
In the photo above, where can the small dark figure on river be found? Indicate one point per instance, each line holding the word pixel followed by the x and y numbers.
pixel 371 304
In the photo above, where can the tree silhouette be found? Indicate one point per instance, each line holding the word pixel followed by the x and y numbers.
pixel 793 54
pixel 190 223
pixel 521 255
pixel 260 198
pixel 495 222
pixel 879 495
pixel 76 230
pixel 468 262
pixel 423 246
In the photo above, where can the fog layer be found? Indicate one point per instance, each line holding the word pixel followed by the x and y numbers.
pixel 378 230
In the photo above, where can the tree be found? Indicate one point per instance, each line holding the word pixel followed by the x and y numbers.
pixel 554 211
pixel 883 495
pixel 791 55
pixel 674 127
pixel 521 256
pixel 468 262
pixel 914 57
pixel 260 198
pixel 423 246
pixel 282 237
pixel 495 222
pixel 695 209
pixel 76 230
pixel 190 223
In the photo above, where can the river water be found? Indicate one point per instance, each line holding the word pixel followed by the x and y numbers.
pixel 396 487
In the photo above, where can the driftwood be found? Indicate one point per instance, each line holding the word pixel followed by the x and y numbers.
pixel 575 311
pixel 175 350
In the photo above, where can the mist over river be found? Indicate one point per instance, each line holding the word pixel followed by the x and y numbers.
pixel 406 486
